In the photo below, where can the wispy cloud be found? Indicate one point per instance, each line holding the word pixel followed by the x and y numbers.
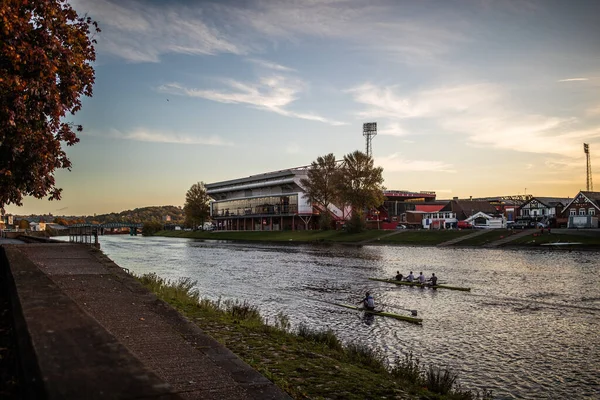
pixel 270 65
pixel 481 112
pixel 392 129
pixel 573 79
pixel 272 93
pixel 140 31
pixel 376 25
pixel 395 163
pixel 145 135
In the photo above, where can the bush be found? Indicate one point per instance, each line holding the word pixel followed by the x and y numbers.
pixel 356 223
pixel 440 380
pixel 326 337
pixel 150 228
pixel 362 354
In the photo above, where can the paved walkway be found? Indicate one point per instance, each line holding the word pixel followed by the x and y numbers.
pixel 478 232
pixel 176 350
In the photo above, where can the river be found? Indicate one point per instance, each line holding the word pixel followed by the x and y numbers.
pixel 529 329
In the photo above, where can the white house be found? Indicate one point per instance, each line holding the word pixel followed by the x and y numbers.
pixel 439 220
pixel 486 221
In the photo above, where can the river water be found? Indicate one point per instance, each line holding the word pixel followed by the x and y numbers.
pixel 529 328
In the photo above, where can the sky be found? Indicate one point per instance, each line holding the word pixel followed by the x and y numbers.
pixel 472 98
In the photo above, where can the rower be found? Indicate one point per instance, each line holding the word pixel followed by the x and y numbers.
pixel 433 280
pixel 368 302
pixel 421 278
pixel 410 277
pixel 398 276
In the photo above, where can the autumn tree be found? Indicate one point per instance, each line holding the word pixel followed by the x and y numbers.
pixel 196 208
pixel 321 185
pixel 46 50
pixel 360 186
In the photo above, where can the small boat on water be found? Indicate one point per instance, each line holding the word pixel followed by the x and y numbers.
pixel 413 320
pixel 405 283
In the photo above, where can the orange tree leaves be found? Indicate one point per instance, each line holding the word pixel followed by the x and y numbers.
pixel 46 51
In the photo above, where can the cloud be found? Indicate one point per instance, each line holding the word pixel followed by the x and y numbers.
pixel 142 32
pixel 270 65
pixel 272 93
pixel 573 80
pixel 481 112
pixel 144 135
pixel 381 26
pixel 395 163
pixel 392 129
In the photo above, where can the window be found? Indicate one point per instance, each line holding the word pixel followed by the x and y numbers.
pixel 582 211
pixel 525 212
pixel 572 211
pixel 592 211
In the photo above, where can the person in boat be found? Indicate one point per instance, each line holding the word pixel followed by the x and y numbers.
pixel 410 277
pixel 421 278
pixel 368 302
pixel 433 280
pixel 398 276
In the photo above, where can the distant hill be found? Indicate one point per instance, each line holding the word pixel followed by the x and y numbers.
pixel 141 215
pixel 138 215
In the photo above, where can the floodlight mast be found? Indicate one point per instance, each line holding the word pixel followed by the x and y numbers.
pixel 369 130
pixel 588 181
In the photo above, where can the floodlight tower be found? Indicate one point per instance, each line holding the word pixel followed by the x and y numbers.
pixel 589 184
pixel 369 130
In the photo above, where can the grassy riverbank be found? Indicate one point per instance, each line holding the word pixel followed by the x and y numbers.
pixel 588 240
pixel 303 362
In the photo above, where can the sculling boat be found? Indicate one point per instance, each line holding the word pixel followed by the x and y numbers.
pixel 395 282
pixel 383 313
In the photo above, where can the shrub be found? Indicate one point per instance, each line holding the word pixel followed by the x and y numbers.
pixel 440 380
pixel 327 337
pixel 364 355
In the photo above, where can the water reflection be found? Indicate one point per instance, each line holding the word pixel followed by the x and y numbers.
pixel 529 328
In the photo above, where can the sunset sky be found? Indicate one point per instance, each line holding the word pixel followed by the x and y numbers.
pixel 472 98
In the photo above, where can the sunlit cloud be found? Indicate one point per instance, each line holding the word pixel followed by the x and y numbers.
pixel 395 163
pixel 391 129
pixel 270 65
pixel 144 135
pixel 573 79
pixel 272 93
pixel 481 112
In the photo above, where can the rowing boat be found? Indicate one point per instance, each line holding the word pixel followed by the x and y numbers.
pixel 383 313
pixel 405 283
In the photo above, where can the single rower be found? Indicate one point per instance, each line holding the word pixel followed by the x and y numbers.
pixel 410 277
pixel 368 302
pixel 421 278
pixel 398 276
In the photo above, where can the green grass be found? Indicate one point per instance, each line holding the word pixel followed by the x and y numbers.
pixel 424 237
pixel 279 236
pixel 491 235
pixel 305 363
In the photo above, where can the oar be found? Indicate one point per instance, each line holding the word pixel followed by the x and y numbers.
pixel 412 312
